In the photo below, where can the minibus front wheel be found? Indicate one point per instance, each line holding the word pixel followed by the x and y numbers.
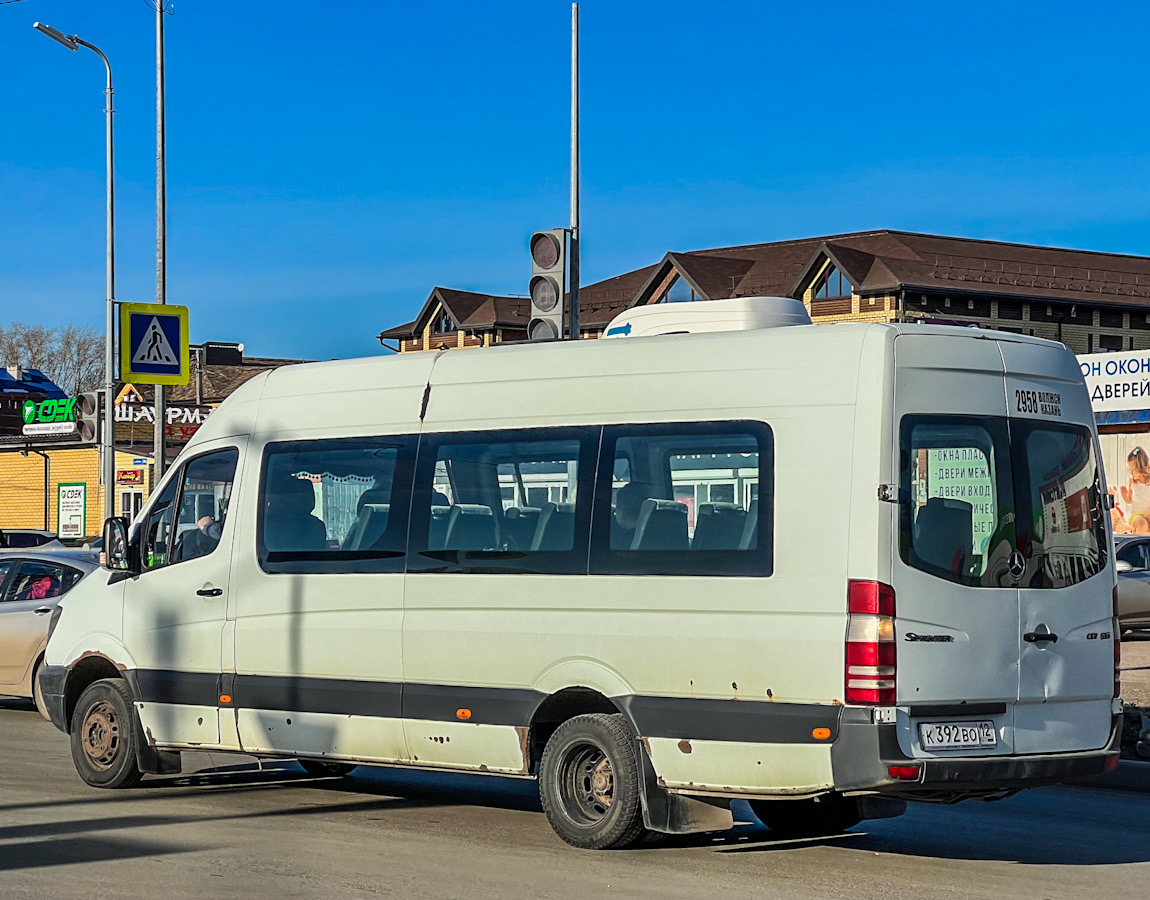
pixel 103 735
pixel 589 783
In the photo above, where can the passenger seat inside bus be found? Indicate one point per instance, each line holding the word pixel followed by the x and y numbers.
pixel 470 526
pixel 944 534
pixel 519 524
pixel 556 528
pixel 370 521
pixel 290 524
pixel 719 526
pixel 662 526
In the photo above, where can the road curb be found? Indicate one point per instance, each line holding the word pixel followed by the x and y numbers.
pixel 1129 776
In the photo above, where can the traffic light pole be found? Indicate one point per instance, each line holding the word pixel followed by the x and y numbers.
pixel 573 255
pixel 158 451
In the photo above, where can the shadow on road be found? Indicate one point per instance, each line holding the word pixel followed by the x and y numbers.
pixel 42 854
pixel 1045 827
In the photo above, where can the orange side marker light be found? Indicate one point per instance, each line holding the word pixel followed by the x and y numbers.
pixel 225 698
pixel 463 714
pixel 821 734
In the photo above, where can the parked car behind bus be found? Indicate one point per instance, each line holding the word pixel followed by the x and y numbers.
pixel 32 584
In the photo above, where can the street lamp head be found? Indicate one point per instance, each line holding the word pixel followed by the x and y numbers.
pixel 68 41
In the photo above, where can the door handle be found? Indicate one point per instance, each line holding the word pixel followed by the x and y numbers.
pixel 209 592
pixel 1037 637
pixel 42 611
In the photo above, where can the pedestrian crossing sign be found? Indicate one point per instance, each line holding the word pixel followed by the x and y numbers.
pixel 154 343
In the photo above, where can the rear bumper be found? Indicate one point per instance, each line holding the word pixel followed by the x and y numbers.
pixel 862 755
pixel 53 680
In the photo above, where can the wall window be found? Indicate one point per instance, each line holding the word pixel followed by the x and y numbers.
pixel 443 323
pixel 688 499
pixel 336 505
pixel 1110 342
pixel 504 502
pixel 832 285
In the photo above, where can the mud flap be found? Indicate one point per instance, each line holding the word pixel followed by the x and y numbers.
pixel 675 814
pixel 151 761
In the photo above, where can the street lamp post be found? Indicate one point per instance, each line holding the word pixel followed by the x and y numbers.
pixel 107 442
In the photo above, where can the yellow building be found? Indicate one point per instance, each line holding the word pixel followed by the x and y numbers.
pixel 30 487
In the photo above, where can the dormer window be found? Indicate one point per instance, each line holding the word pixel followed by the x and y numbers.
pixel 832 285
pixel 443 323
pixel 679 292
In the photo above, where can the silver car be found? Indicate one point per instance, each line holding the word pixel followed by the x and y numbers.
pixel 29 539
pixel 31 585
pixel 1132 561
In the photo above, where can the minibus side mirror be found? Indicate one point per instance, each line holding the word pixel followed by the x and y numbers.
pixel 117 555
pixel 1122 567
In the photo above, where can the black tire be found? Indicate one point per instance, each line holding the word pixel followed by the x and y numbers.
pixel 589 783
pixel 321 769
pixel 103 735
pixel 828 814
pixel 37 694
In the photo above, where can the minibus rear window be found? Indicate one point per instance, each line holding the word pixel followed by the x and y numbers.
pixel 975 490
pixel 958 509
pixel 1058 473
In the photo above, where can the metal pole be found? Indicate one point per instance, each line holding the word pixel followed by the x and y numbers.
pixel 161 237
pixel 107 439
pixel 573 258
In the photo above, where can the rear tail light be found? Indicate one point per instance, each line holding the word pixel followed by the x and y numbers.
pixel 904 773
pixel 1117 648
pixel 870 656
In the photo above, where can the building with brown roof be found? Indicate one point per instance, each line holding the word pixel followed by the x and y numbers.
pixel 1088 300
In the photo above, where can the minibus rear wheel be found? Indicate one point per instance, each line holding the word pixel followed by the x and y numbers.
pixel 828 814
pixel 589 783
pixel 103 735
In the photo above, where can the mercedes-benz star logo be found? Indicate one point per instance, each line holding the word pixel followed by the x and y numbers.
pixel 1016 564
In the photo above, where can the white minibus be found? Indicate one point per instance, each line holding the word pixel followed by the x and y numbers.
pixel 825 569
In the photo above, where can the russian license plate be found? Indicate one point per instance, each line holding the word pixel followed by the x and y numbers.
pixel 957 735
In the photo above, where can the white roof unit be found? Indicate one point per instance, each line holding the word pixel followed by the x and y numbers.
pixel 736 314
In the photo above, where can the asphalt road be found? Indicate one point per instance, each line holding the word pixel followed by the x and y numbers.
pixel 232 830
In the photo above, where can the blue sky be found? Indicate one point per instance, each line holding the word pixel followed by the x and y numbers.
pixel 328 164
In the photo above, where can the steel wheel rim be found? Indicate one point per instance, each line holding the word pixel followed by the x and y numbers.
pixel 586 782
pixel 100 735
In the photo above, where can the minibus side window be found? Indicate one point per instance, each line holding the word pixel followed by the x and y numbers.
pixel 508 502
pixel 155 533
pixel 957 509
pixel 204 497
pixel 685 499
pixel 335 505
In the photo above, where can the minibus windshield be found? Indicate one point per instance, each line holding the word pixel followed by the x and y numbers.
pixel 975 490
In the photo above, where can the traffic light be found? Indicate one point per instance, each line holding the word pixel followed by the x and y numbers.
pixel 548 284
pixel 88 417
